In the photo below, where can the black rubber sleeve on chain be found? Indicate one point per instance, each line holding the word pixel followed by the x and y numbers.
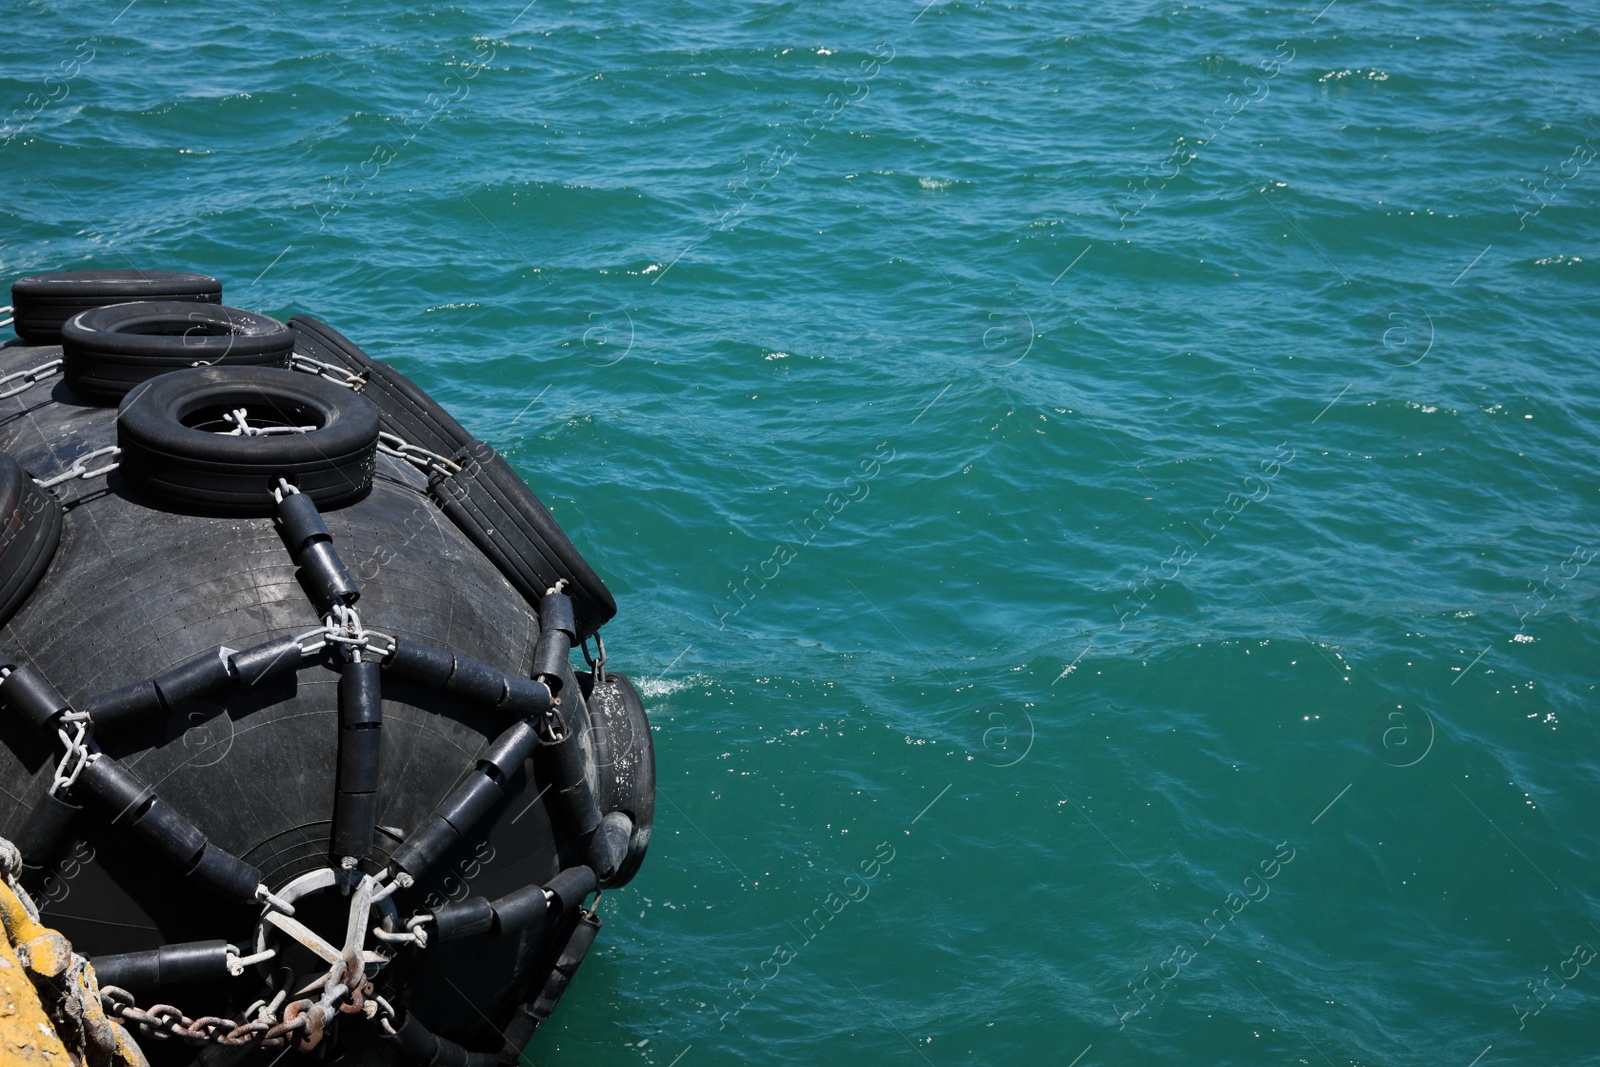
pixel 519 909
pixel 263 663
pixel 550 653
pixel 417 1046
pixel 355 810
pixel 555 613
pixel 516 910
pixel 30 693
pixel 131 803
pixel 467 677
pixel 203 675
pixel 200 676
pixel 469 801
pixel 567 767
pixel 45 834
pixel 124 705
pixel 464 918
pixel 192 961
pixel 421 663
pixel 530 904
pixel 311 546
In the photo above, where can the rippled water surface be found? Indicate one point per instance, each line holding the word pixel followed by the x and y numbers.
pixel 1102 498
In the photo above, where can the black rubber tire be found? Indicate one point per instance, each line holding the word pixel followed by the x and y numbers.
pixel 625 758
pixel 407 411
pixel 42 302
pixel 163 452
pixel 109 350
pixel 573 952
pixel 30 530
pixel 496 509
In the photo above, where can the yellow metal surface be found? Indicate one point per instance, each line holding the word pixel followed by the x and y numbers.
pixel 35 957
pixel 27 1037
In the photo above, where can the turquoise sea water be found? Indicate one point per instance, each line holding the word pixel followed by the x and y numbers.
pixel 1102 498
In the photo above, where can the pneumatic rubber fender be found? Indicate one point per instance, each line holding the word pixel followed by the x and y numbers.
pixel 106 351
pixel 43 302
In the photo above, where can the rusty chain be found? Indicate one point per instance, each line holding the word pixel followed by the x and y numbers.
pixel 306 1018
pixel 165 1021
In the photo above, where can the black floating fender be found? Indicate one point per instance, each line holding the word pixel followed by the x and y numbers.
pixel 625 757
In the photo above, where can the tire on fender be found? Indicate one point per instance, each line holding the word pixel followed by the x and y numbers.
pixel 407 411
pixel 30 531
pixel 178 445
pixel 625 757
pixel 495 508
pixel 43 302
pixel 108 350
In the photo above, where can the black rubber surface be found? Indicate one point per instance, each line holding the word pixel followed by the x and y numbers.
pixel 30 530
pixel 625 760
pixel 42 302
pixel 109 350
pixel 174 444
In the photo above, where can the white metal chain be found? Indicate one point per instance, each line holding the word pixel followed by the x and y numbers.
pixel 237 417
pixel 338 375
pixel 394 445
pixel 343 628
pixel 30 377
pixel 80 751
pixel 80 468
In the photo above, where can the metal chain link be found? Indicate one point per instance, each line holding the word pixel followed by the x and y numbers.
pixel 79 745
pixel 31 377
pixel 394 445
pixel 338 375
pixel 343 628
pixel 80 751
pixel 165 1021
pixel 242 427
pixel 80 468
pixel 597 662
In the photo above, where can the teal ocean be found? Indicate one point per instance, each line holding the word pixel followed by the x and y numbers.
pixel 1103 498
